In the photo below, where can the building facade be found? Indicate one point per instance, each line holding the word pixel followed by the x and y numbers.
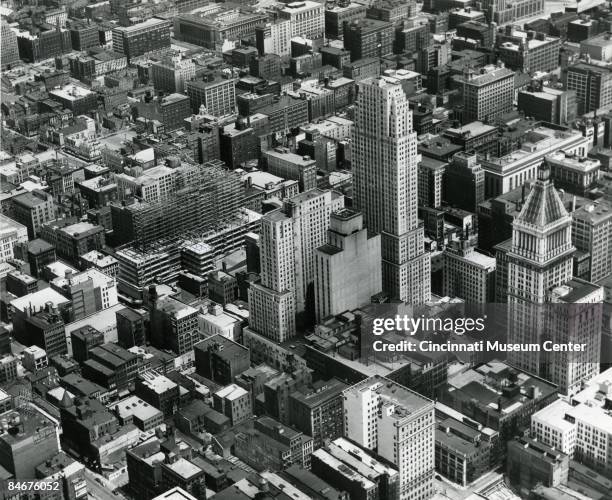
pixel 385 160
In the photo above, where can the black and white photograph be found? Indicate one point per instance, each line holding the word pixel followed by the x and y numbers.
pixel 306 250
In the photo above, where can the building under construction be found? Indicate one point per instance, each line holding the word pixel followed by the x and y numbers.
pixel 192 252
pixel 206 202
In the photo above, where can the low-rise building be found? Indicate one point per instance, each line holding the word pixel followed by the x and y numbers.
pixel 221 359
pixel 159 391
pixel 133 410
pixel 530 463
pixel 11 233
pixel 267 444
pixel 234 402
pixel 516 168
pixel 573 173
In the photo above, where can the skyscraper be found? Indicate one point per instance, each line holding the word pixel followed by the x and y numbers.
pixel 272 303
pixel 10 51
pixel 347 271
pixel 385 186
pixel 574 317
pixel 288 239
pixel 398 424
pixel 539 259
pixel 592 234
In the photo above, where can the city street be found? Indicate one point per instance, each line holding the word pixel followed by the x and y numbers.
pixel 100 491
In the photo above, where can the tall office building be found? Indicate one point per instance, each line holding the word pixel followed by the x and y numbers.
pixel 310 212
pixel 10 51
pixel 174 325
pixel 317 410
pixel 592 84
pixel 592 234
pixel 307 18
pixel 540 258
pixel 488 95
pixel 368 38
pixel 464 182
pixel 399 425
pixel 32 209
pixel 83 35
pixel 527 52
pixel 217 96
pixel 213 30
pixel 89 291
pixel 288 239
pixel 142 38
pixel 504 12
pixel 171 73
pixel 336 14
pixel 274 38
pixel 385 164
pixel 347 270
pixel 272 302
pixel 548 104
pixel 431 182
pixel 154 184
pixel 574 317
pixel 287 165
pixel 468 274
pixel 48 42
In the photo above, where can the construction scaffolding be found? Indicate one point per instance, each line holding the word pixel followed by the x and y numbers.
pixel 207 196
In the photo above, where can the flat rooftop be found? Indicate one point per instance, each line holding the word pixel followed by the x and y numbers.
pixel 8 225
pixel 261 179
pixel 483 384
pixel 98 183
pixel 98 258
pixel 149 23
pixel 573 162
pixel 81 228
pixel 37 300
pixel 392 392
pixel 475 128
pixel 28 424
pixel 29 200
pixel 575 290
pixel 601 40
pixel 490 76
pixel 175 307
pixel 136 407
pixel 184 468
pixel 302 6
pixel 554 415
pixel 339 466
pixel 361 461
pixel 231 392
pixel 539 141
pixel 71 92
pixel 302 161
pixel 158 383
